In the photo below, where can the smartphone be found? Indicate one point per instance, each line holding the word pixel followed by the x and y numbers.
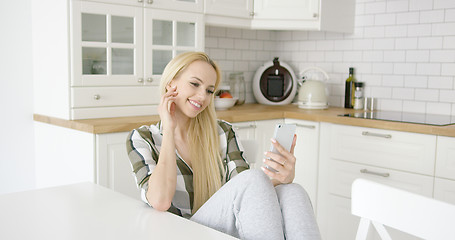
pixel 284 134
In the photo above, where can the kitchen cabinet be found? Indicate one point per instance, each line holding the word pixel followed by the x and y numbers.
pixel 322 15
pixel 399 159
pixel 82 157
pixel 444 185
pixel 180 5
pixel 110 56
pixel 306 152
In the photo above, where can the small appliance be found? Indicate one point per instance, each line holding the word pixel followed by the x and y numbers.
pixel 313 93
pixel 274 83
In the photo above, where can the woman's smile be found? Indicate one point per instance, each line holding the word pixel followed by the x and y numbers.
pixel 195 104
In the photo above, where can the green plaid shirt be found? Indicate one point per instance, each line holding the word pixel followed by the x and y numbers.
pixel 144 144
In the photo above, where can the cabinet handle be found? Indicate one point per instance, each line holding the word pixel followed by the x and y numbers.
pixel 252 14
pixel 305 126
pixel 149 79
pixel 140 1
pixel 96 97
pixel 248 126
pixel 315 15
pixel 365 133
pixel 149 1
pixel 366 171
pixel 140 80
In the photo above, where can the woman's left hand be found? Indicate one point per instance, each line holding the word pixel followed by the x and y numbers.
pixel 284 163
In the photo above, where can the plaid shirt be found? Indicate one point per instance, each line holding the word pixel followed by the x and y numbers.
pixel 144 144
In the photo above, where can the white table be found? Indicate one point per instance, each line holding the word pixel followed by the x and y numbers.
pixel 89 211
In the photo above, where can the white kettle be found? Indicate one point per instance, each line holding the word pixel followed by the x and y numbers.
pixel 312 93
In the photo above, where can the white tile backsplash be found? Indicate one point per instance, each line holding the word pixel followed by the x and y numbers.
pixel 404 51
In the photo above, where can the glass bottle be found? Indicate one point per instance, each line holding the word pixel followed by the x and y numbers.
pixel 358 95
pixel 237 84
pixel 349 90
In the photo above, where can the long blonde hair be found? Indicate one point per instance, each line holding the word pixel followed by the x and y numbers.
pixel 202 135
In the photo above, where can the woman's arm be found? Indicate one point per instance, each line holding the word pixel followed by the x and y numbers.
pixel 162 183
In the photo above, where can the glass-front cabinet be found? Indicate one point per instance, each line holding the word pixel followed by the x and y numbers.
pixel 118 54
pixel 167 35
pixel 107 44
pixel 126 45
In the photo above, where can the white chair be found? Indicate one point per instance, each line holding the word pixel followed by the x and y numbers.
pixel 411 213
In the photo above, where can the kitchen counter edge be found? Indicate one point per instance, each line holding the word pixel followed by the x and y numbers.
pixel 250 112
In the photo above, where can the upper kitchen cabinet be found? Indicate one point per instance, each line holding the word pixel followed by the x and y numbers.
pixel 229 13
pixel 98 60
pixel 168 34
pixel 315 15
pixel 180 5
pixel 107 45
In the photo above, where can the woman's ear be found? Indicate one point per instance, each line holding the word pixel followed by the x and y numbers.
pixel 170 85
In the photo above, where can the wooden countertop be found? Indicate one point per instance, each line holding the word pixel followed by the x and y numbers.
pixel 250 112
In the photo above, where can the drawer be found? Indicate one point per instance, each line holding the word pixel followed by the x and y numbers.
pixel 445 158
pixel 405 151
pixel 444 190
pixel 114 96
pixel 342 174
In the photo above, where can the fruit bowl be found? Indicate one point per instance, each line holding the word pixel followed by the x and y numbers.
pixel 224 103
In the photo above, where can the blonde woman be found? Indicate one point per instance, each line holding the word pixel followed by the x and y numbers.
pixel 192 164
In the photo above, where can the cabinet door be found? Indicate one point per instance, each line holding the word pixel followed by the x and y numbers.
pixel 113 165
pixel 168 34
pixel 445 157
pixel 444 190
pixel 306 152
pixel 107 44
pixel 229 8
pixel 246 133
pixel 286 10
pixel 264 132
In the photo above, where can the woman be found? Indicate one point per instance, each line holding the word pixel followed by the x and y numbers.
pixel 191 164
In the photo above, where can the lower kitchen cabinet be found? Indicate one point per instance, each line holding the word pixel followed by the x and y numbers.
pixel 66 156
pixel 114 169
pixel 306 152
pixel 399 159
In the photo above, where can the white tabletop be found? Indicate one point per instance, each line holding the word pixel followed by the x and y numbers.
pixel 88 211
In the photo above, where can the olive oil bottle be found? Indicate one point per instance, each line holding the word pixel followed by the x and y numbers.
pixel 349 90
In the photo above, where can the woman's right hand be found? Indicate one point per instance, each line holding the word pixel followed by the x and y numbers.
pixel 166 108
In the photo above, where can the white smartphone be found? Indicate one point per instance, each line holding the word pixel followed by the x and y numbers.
pixel 284 134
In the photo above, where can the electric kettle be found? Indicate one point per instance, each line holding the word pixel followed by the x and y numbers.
pixel 313 93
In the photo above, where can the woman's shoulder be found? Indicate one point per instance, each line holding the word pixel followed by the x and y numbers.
pixel 224 126
pixel 145 132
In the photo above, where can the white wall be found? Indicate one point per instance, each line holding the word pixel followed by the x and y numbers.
pixel 403 49
pixel 17 167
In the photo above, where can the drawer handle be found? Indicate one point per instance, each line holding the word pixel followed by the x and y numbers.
pixel 96 97
pixel 365 133
pixel 150 1
pixel 305 126
pixel 248 126
pixel 149 79
pixel 140 80
pixel 366 171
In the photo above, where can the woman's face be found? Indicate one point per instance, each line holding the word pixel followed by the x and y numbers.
pixel 195 87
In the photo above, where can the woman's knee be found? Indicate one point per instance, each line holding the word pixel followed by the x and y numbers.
pixel 292 189
pixel 255 177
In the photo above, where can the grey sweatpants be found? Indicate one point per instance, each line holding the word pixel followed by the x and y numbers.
pixel 250 207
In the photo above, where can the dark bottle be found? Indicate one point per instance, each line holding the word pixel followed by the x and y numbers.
pixel 349 90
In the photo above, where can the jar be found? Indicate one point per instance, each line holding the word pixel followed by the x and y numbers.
pixel 358 95
pixel 237 87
